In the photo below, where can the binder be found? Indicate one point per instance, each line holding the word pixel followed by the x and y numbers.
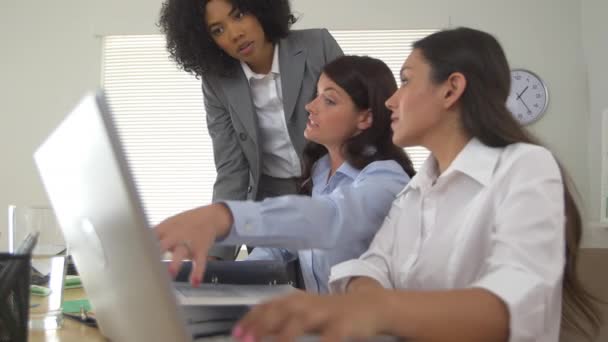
pixel 248 272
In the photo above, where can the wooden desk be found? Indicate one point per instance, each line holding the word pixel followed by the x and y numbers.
pixel 71 331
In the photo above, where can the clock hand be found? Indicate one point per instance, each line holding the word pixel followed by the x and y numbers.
pixel 522 92
pixel 522 101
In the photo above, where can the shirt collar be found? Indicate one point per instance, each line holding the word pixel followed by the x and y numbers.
pixel 476 160
pixel 320 170
pixel 274 69
pixel 323 165
pixel 348 170
pixel 424 176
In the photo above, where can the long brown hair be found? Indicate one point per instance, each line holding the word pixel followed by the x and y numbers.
pixel 369 82
pixel 479 57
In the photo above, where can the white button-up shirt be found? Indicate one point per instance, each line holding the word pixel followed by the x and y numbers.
pixel 494 219
pixel 279 157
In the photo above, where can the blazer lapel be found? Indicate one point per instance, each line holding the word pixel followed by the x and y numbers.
pixel 292 59
pixel 239 96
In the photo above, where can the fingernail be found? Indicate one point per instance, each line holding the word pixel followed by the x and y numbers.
pixel 196 281
pixel 237 332
pixel 248 338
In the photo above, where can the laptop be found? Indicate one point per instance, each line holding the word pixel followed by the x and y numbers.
pixel 86 175
pixel 87 178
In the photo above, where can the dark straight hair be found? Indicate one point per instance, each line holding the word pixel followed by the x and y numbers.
pixel 369 82
pixel 481 59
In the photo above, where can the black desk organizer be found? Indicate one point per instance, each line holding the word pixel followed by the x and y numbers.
pixel 14 296
pixel 251 272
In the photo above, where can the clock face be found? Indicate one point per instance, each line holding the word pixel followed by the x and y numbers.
pixel 529 97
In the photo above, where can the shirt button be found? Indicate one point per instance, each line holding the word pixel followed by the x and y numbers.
pixel 242 136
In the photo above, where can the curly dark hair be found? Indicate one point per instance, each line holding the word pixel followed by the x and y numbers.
pixel 369 82
pixel 193 48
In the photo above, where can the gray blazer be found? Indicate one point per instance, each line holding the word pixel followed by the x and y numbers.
pixel 232 120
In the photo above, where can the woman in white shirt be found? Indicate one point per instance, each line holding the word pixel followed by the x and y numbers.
pixel 482 243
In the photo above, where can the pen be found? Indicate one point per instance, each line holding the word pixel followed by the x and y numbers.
pixel 82 317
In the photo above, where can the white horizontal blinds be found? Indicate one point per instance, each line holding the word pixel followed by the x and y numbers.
pixel 392 47
pixel 160 115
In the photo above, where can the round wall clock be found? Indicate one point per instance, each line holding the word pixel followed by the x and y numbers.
pixel 529 96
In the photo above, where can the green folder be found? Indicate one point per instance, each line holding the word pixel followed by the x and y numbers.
pixel 73 306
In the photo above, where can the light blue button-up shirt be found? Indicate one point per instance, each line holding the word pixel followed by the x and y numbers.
pixel 335 224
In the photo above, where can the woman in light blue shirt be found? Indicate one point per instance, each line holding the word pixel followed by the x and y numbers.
pixel 352 171
pixel 351 201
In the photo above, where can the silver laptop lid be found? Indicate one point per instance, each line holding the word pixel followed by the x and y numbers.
pixel 87 179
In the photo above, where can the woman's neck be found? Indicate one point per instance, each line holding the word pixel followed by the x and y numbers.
pixel 445 143
pixel 263 64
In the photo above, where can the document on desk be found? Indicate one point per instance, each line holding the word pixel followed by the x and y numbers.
pixel 228 294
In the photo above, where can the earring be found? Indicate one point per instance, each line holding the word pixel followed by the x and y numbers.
pixel 369 150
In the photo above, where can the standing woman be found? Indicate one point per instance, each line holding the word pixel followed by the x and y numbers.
pixel 257 76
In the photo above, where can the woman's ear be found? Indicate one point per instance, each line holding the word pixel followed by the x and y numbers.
pixel 455 86
pixel 366 119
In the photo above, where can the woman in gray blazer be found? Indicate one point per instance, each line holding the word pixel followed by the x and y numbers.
pixel 257 75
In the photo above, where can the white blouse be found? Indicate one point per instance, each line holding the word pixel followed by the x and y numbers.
pixel 494 219
pixel 279 156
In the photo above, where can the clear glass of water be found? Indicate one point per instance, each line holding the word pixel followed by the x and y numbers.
pixel 48 262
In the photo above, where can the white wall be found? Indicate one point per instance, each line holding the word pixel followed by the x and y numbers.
pixel 51 55
pixel 595 44
pixel 594 30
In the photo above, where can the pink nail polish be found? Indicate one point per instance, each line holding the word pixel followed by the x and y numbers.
pixel 237 332
pixel 248 338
